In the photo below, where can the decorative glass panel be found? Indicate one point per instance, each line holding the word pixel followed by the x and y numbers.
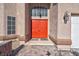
pixel 42 12
pixel 45 12
pixel 33 12
pixel 39 12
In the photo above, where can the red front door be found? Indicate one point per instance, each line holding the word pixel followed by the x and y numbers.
pixel 39 28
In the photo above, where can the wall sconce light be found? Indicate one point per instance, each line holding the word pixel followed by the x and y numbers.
pixel 66 17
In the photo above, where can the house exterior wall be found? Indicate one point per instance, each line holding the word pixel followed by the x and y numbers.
pixel 6 9
pixel 2 29
pixel 16 10
pixel 9 10
pixel 20 20
pixel 27 22
pixel 59 32
pixel 53 22
pixel 64 30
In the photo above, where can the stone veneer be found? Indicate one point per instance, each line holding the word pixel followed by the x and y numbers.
pixel 5 48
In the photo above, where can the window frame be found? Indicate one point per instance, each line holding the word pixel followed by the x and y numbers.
pixel 36 10
pixel 11 25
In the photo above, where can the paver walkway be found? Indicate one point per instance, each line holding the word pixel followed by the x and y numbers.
pixel 42 50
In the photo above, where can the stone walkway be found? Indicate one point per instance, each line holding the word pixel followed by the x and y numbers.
pixel 75 51
pixel 42 50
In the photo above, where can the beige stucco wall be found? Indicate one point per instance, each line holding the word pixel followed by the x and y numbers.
pixel 20 19
pixel 64 30
pixel 9 10
pixel 27 19
pixel 2 19
pixel 53 20
pixel 16 10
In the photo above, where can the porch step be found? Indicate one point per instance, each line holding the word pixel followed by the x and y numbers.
pixel 39 43
pixel 44 41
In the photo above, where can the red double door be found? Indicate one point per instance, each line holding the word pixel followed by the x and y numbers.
pixel 39 28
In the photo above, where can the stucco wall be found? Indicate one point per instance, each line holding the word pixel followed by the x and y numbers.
pixel 20 19
pixel 15 10
pixel 27 22
pixel 64 30
pixel 2 30
pixel 9 10
pixel 53 20
pixel 18 11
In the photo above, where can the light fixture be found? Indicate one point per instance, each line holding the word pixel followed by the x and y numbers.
pixel 66 17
